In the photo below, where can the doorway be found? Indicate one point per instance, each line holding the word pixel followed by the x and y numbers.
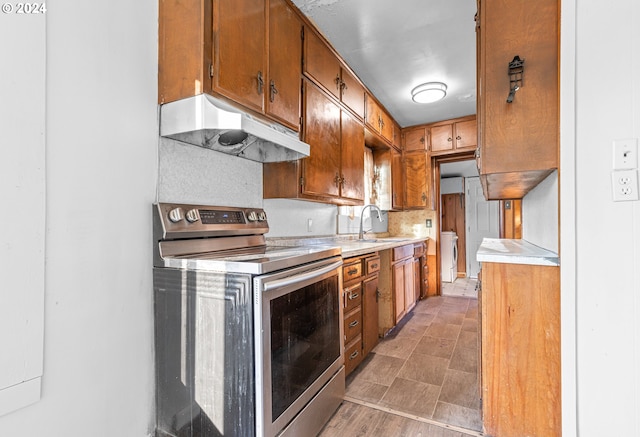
pixel 462 209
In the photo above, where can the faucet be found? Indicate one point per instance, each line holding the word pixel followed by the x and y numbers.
pixel 361 232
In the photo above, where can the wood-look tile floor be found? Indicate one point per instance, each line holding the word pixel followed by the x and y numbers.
pixel 421 380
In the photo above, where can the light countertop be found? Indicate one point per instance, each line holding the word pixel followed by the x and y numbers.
pixel 510 251
pixel 350 247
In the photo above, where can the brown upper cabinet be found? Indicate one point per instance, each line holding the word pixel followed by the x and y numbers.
pixel 459 135
pixel 334 172
pixel 517 141
pixel 378 120
pixel 323 67
pixel 416 138
pixel 417 174
pixel 221 47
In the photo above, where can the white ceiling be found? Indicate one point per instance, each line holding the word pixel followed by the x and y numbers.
pixel 394 46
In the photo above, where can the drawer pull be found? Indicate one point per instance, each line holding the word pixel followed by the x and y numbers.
pixel 353 355
pixel 374 266
pixel 352 271
pixel 353 296
pixel 353 324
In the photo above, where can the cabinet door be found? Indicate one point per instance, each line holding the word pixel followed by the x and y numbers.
pixel 239 51
pixel 321 64
pixel 397 180
pixel 409 286
pixel 386 126
pixel 466 134
pixel 321 170
pixel 399 291
pixel 372 113
pixel 415 139
pixel 370 314
pixel 352 147
pixel 442 138
pixel 352 93
pixel 285 53
pixel 418 177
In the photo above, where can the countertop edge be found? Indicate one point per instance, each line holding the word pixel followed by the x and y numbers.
pixel 512 251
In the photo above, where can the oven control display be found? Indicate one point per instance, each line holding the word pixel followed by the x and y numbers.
pixel 215 217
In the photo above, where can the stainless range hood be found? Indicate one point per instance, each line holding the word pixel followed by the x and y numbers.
pixel 212 123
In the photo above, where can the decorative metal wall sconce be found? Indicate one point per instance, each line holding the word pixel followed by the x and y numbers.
pixel 516 71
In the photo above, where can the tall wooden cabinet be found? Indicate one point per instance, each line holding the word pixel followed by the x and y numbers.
pixel 397 286
pixel 520 337
pixel 334 171
pixel 518 141
pixel 221 47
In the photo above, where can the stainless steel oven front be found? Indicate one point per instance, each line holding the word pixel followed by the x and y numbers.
pixel 299 358
pixel 248 337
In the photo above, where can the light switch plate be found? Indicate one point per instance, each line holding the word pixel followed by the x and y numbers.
pixel 625 154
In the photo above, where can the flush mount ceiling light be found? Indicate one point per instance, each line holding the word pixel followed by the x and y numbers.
pixel 429 92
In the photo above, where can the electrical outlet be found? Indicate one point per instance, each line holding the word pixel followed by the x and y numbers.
pixel 309 225
pixel 625 185
pixel 625 154
pixel 428 223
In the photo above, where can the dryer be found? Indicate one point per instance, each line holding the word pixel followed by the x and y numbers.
pixel 449 256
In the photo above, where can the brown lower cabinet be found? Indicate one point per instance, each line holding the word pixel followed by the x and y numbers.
pixel 520 338
pixel 397 287
pixel 360 300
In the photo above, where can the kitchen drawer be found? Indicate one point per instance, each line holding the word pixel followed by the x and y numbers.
pixel 353 354
pixel 352 297
pixel 351 270
pixel 352 325
pixel 402 252
pixel 372 265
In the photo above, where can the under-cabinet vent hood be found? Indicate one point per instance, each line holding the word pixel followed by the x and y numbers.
pixel 214 124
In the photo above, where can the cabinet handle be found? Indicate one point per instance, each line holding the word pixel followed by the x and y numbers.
pixel 424 198
pixel 343 87
pixel 377 294
pixel 373 266
pixel 274 91
pixel 353 355
pixel 352 271
pixel 336 180
pixel 422 140
pixel 353 324
pixel 353 296
pixel 449 139
pixel 337 81
pixel 458 138
pixel 260 82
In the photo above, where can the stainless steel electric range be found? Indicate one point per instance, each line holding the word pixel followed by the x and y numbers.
pixel 248 337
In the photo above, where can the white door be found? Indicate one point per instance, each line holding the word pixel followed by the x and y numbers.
pixel 483 221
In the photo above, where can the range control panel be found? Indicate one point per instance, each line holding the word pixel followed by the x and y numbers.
pixel 179 220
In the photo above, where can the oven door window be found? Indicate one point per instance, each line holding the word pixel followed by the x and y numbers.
pixel 305 339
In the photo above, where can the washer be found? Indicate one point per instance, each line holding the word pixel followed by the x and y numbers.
pixel 449 256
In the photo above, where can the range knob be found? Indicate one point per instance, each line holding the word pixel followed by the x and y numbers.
pixel 252 216
pixel 193 215
pixel 176 215
pixel 262 216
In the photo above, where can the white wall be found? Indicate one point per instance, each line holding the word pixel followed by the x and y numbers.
pixel 101 163
pixel 540 214
pixel 607 233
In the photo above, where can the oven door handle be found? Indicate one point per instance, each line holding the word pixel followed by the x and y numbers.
pixel 278 283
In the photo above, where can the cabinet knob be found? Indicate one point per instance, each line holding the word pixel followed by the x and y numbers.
pixel 449 139
pixel 458 138
pixel 273 91
pixel 337 81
